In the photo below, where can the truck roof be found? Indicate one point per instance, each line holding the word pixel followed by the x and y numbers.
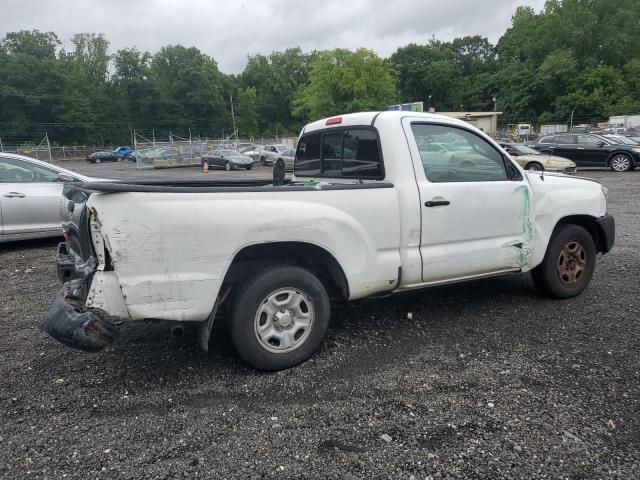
pixel 368 118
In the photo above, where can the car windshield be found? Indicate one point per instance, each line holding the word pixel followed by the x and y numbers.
pixel 524 150
pixel 229 153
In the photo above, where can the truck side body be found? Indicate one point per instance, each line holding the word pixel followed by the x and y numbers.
pixel 167 252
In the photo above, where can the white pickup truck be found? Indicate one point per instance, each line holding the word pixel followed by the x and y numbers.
pixel 371 210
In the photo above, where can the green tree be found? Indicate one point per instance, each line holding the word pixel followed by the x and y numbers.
pixel 342 81
pixel 189 91
pixel 247 113
pixel 31 83
pixel 277 78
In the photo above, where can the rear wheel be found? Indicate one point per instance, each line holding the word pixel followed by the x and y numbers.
pixel 568 264
pixel 280 317
pixel 227 166
pixel 97 160
pixel 534 167
pixel 263 161
pixel 621 162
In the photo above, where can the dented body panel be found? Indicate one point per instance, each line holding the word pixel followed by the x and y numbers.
pixel 162 252
pixel 173 270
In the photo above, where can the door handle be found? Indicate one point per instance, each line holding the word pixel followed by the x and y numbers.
pixel 437 203
pixel 580 148
pixel 15 195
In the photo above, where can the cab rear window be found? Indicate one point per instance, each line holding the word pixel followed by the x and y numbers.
pixel 340 153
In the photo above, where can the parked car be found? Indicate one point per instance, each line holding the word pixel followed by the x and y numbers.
pixel 124 151
pixel 31 200
pixel 270 153
pixel 227 159
pixel 588 150
pixel 253 152
pixel 531 159
pixel 270 258
pixel 99 157
pixel 288 156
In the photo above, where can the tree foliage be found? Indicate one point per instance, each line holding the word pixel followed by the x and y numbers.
pixel 341 81
pixel 580 56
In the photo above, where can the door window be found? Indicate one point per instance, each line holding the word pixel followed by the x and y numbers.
pixel 588 140
pixel 451 154
pixel 566 139
pixel 18 171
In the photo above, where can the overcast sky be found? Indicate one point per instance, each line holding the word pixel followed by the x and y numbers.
pixel 229 30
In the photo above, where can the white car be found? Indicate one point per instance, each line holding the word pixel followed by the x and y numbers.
pixel 31 201
pixel 270 153
pixel 367 214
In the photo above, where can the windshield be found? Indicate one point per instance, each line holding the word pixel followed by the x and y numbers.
pixel 229 153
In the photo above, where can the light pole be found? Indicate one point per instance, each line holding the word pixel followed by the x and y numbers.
pixel 571 121
pixel 494 103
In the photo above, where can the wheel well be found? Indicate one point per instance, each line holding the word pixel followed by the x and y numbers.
pixel 590 225
pixel 306 255
pixel 533 162
pixel 623 153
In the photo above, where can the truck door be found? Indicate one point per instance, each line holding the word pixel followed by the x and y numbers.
pixel 477 217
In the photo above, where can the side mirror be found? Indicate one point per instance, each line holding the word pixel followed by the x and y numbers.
pixel 63 177
pixel 601 143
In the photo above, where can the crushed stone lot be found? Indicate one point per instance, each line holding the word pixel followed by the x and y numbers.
pixel 487 380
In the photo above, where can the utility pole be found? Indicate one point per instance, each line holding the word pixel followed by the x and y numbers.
pixel 233 117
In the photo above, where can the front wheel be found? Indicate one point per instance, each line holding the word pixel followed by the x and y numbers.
pixel 97 160
pixel 280 317
pixel 621 163
pixel 227 166
pixel 568 264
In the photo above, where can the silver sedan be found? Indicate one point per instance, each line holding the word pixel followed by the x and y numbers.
pixel 31 201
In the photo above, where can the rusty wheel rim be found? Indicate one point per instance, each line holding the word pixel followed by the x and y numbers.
pixel 572 262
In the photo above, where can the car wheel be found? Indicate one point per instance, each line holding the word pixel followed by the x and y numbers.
pixel 534 167
pixel 280 317
pixel 621 163
pixel 249 167
pixel 227 166
pixel 97 160
pixel 263 161
pixel 568 264
pixel 120 159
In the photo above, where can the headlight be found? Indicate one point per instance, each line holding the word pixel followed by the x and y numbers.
pixel 605 192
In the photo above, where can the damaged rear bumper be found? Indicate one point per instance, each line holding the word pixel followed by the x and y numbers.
pixel 68 320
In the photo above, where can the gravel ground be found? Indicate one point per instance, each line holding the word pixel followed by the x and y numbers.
pixel 487 380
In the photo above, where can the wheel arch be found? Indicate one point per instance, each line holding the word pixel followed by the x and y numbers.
pixel 313 258
pixel 590 224
pixel 618 152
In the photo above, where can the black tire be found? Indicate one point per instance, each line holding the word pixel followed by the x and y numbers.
pixel 249 167
pixel 97 160
pixel 263 161
pixel 553 276
pixel 534 167
pixel 252 297
pixel 621 162
pixel 227 166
